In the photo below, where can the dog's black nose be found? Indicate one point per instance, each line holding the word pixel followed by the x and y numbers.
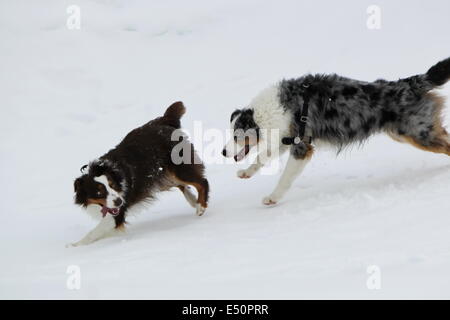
pixel 118 202
pixel 224 152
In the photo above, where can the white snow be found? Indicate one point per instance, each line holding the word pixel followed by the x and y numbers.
pixel 67 96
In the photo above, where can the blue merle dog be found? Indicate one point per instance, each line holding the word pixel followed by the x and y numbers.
pixel 341 112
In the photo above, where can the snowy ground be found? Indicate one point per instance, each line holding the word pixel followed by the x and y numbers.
pixel 67 96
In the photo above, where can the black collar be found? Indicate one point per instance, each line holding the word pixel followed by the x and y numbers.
pixel 302 122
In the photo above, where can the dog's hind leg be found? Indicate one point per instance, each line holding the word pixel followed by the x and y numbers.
pixel 437 144
pixel 105 228
pixel 192 174
pixel 190 197
pixel 294 167
pixel 423 129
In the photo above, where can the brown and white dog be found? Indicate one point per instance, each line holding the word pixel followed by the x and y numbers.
pixel 140 166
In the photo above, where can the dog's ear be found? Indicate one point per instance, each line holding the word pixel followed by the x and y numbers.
pixel 235 114
pixel 97 169
pixel 77 184
pixel 246 120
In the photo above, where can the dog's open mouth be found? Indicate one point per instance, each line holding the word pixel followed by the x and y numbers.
pixel 113 211
pixel 242 154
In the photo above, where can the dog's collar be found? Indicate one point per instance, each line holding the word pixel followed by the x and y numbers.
pixel 302 122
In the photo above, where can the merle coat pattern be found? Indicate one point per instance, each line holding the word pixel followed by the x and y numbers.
pixel 342 112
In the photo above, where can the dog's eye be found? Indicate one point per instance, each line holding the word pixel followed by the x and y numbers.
pixel 100 192
pixel 99 195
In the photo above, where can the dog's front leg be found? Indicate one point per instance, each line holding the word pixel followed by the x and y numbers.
pixel 261 160
pixel 294 167
pixel 106 227
pixel 250 171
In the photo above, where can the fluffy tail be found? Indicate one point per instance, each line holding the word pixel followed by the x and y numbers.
pixel 439 74
pixel 175 111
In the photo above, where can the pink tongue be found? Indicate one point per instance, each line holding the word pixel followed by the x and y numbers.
pixel 104 211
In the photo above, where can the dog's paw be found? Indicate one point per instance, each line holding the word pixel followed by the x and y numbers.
pixel 244 174
pixel 80 243
pixel 270 200
pixel 199 210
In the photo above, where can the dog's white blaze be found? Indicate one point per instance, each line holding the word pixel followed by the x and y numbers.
pixel 231 147
pixel 112 194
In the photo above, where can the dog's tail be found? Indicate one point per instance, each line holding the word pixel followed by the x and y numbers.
pixel 436 76
pixel 175 111
pixel 173 115
pixel 439 74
